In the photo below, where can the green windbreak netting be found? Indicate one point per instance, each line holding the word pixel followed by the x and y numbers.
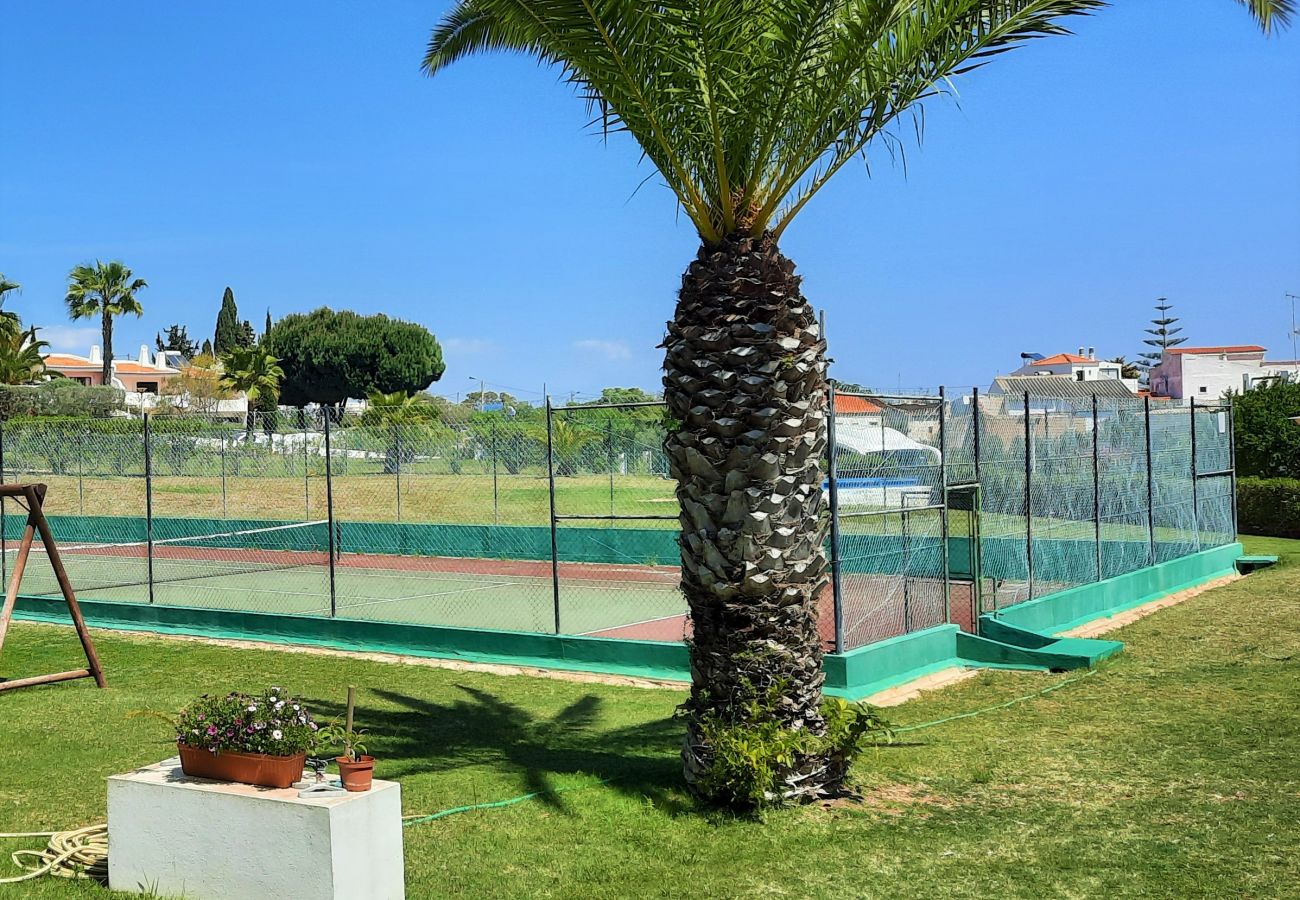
pixel 566 520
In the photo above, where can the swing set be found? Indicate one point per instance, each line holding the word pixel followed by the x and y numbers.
pixel 32 498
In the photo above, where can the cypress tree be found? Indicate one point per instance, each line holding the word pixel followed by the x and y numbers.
pixel 229 334
pixel 267 329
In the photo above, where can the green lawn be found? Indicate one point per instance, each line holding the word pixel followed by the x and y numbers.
pixel 1170 772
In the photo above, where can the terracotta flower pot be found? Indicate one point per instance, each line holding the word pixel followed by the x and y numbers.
pixel 357 774
pixel 242 768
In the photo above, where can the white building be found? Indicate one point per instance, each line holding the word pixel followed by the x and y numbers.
pixel 1081 366
pixel 1207 373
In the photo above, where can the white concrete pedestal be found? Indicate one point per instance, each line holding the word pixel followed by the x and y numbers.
pixel 180 836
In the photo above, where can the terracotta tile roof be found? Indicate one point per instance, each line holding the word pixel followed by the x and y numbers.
pixel 127 367
pixel 1061 358
pixel 1240 348
pixel 69 361
pixel 851 403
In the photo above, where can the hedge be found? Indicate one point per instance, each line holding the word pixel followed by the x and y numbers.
pixel 1269 506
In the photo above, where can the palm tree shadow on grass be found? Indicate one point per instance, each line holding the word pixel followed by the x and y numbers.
pixel 482 729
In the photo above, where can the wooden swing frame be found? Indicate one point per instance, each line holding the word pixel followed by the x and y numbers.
pixel 34 497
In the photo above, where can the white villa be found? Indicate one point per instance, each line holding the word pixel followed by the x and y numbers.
pixel 1207 373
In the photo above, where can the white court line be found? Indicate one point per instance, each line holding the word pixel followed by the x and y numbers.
pixel 632 624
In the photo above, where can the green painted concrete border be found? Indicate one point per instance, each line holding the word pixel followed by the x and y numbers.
pixel 876 667
pixel 853 675
pixel 643 659
pixel 1077 606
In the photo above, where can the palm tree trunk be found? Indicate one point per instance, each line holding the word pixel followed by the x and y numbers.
pixel 106 374
pixel 746 385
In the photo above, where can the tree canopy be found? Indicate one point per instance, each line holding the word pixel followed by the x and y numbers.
pixel 177 339
pixel 230 333
pixel 1268 441
pixel 329 356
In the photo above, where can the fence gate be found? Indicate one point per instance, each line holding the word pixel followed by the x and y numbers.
pixel 964 570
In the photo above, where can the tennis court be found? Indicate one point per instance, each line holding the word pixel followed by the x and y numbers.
pixel 284 569
pixel 236 570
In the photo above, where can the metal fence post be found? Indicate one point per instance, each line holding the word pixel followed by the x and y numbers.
pixel 832 478
pixel 609 461
pixel 943 513
pixel 1232 461
pixel 976 551
pixel 496 496
pixel 1029 501
pixel 148 505
pixel 397 463
pixel 4 539
pixel 1196 506
pixel 550 480
pixel 81 467
pixel 331 543
pixel 1096 486
pixel 1151 496
pixel 306 469
pixel 224 512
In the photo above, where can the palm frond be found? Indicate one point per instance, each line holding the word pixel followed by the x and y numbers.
pixel 748 107
pixel 1271 14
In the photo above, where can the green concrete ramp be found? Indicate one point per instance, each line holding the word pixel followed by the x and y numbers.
pixel 1006 646
pixel 1248 564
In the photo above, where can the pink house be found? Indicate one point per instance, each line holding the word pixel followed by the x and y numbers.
pixel 143 375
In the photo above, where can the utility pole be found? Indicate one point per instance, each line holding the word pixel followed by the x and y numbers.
pixel 1295 333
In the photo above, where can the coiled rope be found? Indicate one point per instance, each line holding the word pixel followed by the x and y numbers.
pixel 79 853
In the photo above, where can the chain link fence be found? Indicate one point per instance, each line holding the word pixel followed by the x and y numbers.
pixel 564 520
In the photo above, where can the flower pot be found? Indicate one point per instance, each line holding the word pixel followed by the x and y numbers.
pixel 242 768
pixel 356 774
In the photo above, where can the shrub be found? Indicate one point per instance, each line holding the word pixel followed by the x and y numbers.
pixel 59 397
pixel 753 757
pixel 272 722
pixel 1269 506
pixel 1268 442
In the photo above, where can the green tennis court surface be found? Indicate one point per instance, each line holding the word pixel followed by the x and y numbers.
pixel 466 593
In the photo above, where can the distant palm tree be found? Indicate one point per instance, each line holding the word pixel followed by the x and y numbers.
pixel 747 109
pixel 21 360
pixel 1127 369
pixel 255 373
pixel 106 291
pixel 401 422
pixel 8 320
pixel 567 441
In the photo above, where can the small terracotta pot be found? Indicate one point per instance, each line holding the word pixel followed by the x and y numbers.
pixel 357 774
pixel 242 768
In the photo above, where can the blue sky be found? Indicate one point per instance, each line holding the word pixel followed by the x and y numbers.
pixel 294 152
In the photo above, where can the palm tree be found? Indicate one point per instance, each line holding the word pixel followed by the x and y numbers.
pixel 1127 369
pixel 104 290
pixel 8 320
pixel 21 359
pixel 567 440
pixel 255 373
pixel 747 108
pixel 400 421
